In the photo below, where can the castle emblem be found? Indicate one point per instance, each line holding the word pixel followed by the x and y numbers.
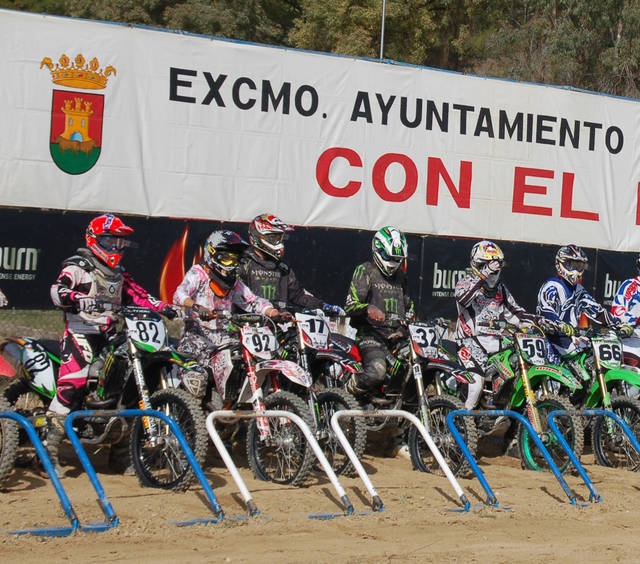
pixel 75 141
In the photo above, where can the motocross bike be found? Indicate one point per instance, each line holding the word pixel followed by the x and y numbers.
pixel 307 342
pixel 130 372
pixel 245 368
pixel 529 382
pixel 415 381
pixel 597 361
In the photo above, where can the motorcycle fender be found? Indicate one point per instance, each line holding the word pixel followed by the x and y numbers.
pixel 614 375
pixel 539 373
pixel 38 366
pixel 347 362
pixel 289 370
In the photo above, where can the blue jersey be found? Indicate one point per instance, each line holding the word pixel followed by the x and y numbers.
pixel 560 301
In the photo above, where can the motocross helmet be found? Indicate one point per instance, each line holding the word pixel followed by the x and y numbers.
pixel 571 262
pixel 105 237
pixel 484 252
pixel 267 233
pixel 389 248
pixel 222 253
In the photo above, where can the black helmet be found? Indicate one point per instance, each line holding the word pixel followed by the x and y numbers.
pixel 571 262
pixel 222 253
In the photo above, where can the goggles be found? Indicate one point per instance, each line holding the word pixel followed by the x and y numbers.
pixel 227 259
pixel 386 256
pixel 274 238
pixel 112 242
pixel 577 265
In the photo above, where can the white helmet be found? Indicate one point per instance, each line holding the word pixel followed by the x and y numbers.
pixel 484 252
pixel 389 248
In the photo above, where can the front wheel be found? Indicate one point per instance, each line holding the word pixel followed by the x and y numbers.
pixel 284 456
pixel 421 455
pixel 568 424
pixel 158 459
pixel 329 401
pixel 611 445
pixel 23 400
pixel 8 441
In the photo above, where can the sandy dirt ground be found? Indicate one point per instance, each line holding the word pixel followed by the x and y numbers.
pixel 416 524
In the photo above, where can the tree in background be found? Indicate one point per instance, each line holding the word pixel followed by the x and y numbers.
pixel 580 43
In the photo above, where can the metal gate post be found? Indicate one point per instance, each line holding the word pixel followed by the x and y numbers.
pixel 112 519
pixel 271 413
pixel 474 465
pixel 55 481
pixel 594 496
pixel 377 504
pixel 627 430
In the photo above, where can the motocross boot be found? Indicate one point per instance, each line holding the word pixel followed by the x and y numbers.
pixel 55 434
pixel 120 456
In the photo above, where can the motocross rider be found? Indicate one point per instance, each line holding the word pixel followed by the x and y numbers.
pixel 626 308
pixel 564 299
pixel 263 270
pixel 482 299
pixel 212 285
pixel 378 304
pixel 93 272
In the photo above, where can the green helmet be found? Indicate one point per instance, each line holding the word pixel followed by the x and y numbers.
pixel 389 248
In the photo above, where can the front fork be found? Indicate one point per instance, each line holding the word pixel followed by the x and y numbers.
pixel 149 423
pixel 423 405
pixel 606 396
pixel 532 408
pixel 257 398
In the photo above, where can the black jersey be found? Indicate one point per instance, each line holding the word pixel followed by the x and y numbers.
pixel 275 281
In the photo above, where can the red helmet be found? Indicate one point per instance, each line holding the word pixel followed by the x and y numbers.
pixel 105 236
pixel 266 232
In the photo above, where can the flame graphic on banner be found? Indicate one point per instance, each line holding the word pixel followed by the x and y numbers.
pixel 173 270
pixel 173 266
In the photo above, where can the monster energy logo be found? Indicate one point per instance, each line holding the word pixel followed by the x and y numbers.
pixel 268 291
pixel 391 305
pixel 359 271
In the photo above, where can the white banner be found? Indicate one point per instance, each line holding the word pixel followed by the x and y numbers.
pixel 108 117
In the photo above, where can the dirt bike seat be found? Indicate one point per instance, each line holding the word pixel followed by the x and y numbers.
pixel 51 346
pixel 450 346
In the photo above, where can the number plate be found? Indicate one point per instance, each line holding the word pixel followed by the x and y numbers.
pixel 149 332
pixel 425 339
pixel 315 329
pixel 259 341
pixel 608 351
pixel 534 348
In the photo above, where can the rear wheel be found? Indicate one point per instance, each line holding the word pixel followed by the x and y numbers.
pixel 158 460
pixel 611 445
pixel 329 401
pixel 568 424
pixel 421 455
pixel 284 456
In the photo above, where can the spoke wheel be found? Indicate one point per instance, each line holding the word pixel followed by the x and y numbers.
pixel 26 402
pixel 611 445
pixel 421 455
pixel 8 442
pixel 284 455
pixel 328 402
pixel 159 461
pixel 568 424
